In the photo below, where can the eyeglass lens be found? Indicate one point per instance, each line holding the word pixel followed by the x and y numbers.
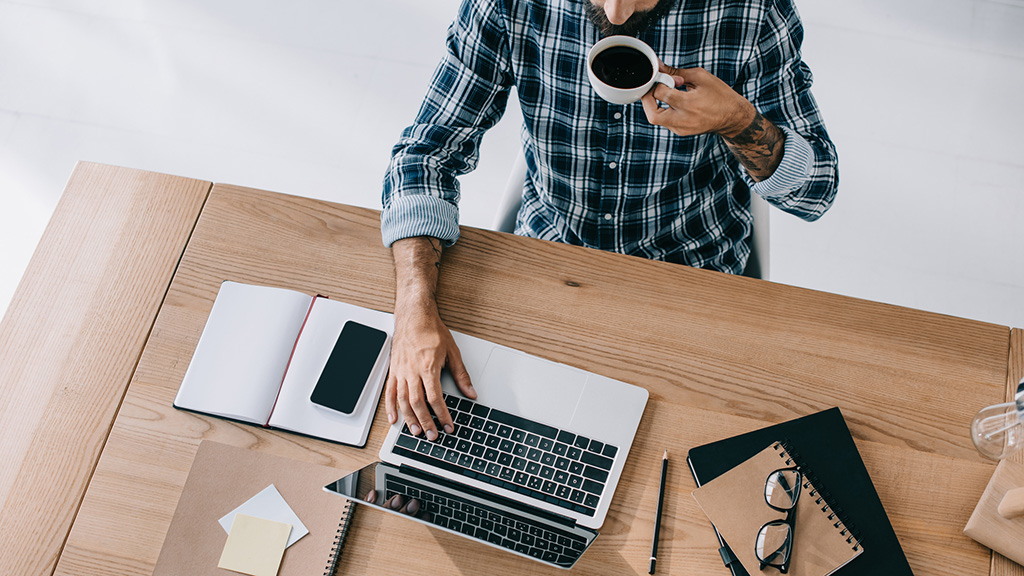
pixel 782 489
pixel 773 543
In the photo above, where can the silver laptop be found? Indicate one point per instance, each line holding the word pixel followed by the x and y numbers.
pixel 532 465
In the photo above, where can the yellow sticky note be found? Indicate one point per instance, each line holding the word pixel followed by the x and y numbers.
pixel 255 546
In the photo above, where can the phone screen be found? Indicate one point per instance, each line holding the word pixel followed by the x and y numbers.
pixel 348 368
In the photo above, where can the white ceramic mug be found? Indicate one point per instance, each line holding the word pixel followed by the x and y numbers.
pixel 625 95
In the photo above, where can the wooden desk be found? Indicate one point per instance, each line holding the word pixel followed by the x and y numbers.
pixel 720 355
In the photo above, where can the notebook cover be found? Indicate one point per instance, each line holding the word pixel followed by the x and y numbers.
pixel 222 478
pixel 826 448
pixel 735 504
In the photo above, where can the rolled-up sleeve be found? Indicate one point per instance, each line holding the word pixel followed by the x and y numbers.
pixel 779 85
pixel 467 96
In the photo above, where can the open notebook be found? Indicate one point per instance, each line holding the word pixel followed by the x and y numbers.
pixel 262 353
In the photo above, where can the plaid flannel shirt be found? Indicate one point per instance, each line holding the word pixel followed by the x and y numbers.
pixel 599 174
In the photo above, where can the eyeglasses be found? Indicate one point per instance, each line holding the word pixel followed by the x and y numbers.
pixel 775 539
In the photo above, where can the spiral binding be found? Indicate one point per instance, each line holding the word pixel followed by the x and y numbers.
pixel 821 495
pixel 339 538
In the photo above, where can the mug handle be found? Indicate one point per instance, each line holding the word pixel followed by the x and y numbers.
pixel 665 79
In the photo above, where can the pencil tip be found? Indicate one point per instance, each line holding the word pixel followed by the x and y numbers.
pixel 666 455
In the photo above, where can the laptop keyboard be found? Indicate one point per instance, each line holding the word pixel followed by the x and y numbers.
pixel 491 524
pixel 533 459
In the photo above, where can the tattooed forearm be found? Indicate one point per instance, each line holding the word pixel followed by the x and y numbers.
pixel 758 147
pixel 435 244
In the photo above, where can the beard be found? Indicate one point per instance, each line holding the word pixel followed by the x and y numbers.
pixel 636 23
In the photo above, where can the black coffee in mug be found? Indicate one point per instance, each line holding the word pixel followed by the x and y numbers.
pixel 622 67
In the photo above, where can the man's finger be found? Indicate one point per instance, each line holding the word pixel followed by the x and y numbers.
pixel 407 411
pixel 436 401
pixel 459 373
pixel 418 403
pixel 391 397
pixel 655 113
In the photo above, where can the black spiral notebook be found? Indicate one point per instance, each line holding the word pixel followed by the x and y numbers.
pixel 825 447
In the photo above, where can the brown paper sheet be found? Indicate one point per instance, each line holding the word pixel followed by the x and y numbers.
pixel 222 478
pixel 1004 535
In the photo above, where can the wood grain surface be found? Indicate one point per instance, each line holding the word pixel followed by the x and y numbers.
pixel 71 338
pixel 719 354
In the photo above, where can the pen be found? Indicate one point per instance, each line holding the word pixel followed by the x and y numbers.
pixel 657 518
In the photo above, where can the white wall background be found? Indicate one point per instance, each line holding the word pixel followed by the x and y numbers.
pixel 923 98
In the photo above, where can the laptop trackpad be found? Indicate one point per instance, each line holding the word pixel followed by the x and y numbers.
pixel 531 387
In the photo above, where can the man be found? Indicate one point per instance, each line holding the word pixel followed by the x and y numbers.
pixel 669 178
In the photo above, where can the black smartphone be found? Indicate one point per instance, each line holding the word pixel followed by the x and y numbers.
pixel 348 368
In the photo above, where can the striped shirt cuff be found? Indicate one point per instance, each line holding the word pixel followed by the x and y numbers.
pixel 419 215
pixel 792 172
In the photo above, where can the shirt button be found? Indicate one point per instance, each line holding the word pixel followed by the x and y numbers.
pixel 617 115
pixel 607 216
pixel 613 165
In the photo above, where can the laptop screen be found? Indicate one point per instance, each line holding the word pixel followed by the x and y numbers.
pixel 468 512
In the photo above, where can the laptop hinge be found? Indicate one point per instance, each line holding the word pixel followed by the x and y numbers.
pixel 504 500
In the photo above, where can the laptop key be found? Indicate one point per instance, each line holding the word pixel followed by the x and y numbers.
pixel 577 496
pixel 591 501
pixel 562 463
pixel 519 463
pixel 452 401
pixel 549 487
pixel 574 453
pixel 532 440
pixel 546 444
pixel 596 460
pixel 560 448
pixel 581 442
pixel 479 464
pixel 424 447
pixel 593 487
pixel 407 441
pixel 491 427
pixel 609 450
pixel 595 474
pixel 596 446
pixel 524 424
pixel 575 468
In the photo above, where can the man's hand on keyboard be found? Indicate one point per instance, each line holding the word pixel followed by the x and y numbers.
pixel 422 346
